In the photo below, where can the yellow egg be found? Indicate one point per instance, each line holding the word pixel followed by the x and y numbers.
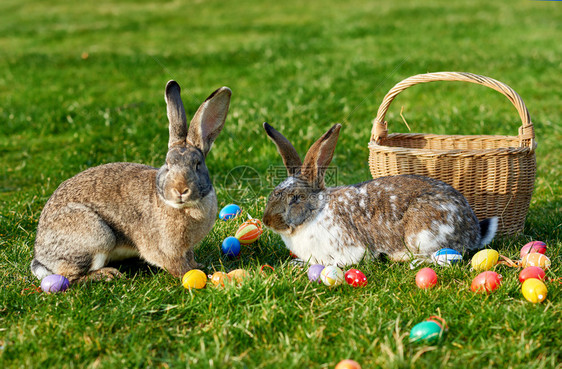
pixel 195 278
pixel 218 278
pixel 485 260
pixel 534 290
pixel 535 259
pixel 238 275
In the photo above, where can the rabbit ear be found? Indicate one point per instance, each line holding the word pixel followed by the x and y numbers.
pixel 209 120
pixel 319 157
pixel 291 158
pixel 176 114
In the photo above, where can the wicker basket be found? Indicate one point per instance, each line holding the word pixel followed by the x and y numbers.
pixel 496 174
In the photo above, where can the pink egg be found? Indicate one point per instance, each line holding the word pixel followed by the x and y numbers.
pixel 486 282
pixel 355 278
pixel 533 246
pixel 531 272
pixel 426 278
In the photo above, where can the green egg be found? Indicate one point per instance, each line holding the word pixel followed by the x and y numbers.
pixel 428 332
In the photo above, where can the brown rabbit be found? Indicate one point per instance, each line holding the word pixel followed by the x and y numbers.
pixel 121 210
pixel 403 216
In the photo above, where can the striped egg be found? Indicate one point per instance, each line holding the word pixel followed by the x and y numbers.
pixel 446 257
pixel 249 231
pixel 536 259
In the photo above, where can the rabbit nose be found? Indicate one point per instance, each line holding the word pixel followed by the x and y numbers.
pixel 185 192
pixel 182 193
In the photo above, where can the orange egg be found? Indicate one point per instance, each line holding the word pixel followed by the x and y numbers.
pixel 218 278
pixel 535 259
pixel 348 364
pixel 238 275
pixel 249 231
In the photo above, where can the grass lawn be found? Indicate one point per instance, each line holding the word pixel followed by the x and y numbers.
pixel 82 83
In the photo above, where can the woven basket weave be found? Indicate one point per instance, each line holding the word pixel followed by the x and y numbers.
pixel 496 174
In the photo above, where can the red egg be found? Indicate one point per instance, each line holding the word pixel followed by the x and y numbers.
pixel 534 246
pixel 426 278
pixel 486 282
pixel 531 272
pixel 355 278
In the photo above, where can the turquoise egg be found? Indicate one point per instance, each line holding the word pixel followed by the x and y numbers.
pixel 229 212
pixel 428 332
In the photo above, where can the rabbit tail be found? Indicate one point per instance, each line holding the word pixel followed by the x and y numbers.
pixel 39 270
pixel 488 229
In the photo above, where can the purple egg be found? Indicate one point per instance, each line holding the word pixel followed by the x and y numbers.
pixel 314 272
pixel 54 283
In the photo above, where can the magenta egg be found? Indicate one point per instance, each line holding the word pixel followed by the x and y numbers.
pixel 533 246
pixel 355 278
pixel 54 283
pixel 426 278
pixel 314 272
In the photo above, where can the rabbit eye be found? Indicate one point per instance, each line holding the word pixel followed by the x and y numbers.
pixel 197 166
pixel 294 199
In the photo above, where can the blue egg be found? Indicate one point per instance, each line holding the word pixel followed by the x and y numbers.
pixel 229 212
pixel 446 257
pixel 428 332
pixel 231 246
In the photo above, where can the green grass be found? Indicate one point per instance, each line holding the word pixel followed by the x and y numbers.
pixel 82 85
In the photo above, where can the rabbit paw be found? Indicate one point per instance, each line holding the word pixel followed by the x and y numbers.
pixel 104 274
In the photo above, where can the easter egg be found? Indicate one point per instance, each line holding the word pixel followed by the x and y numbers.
pixel 355 278
pixel 231 247
pixel 249 231
pixel 314 272
pixel 230 211
pixel 195 278
pixel 534 290
pixel 485 260
pixel 531 272
pixel 348 364
pixel 54 283
pixel 218 278
pixel 446 257
pixel 486 282
pixel 238 275
pixel 428 332
pixel 533 246
pixel 332 276
pixel 426 278
pixel 535 259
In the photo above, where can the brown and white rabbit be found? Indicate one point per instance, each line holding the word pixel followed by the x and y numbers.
pixel 403 216
pixel 121 210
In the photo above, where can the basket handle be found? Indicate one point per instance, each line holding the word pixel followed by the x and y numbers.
pixel 526 131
